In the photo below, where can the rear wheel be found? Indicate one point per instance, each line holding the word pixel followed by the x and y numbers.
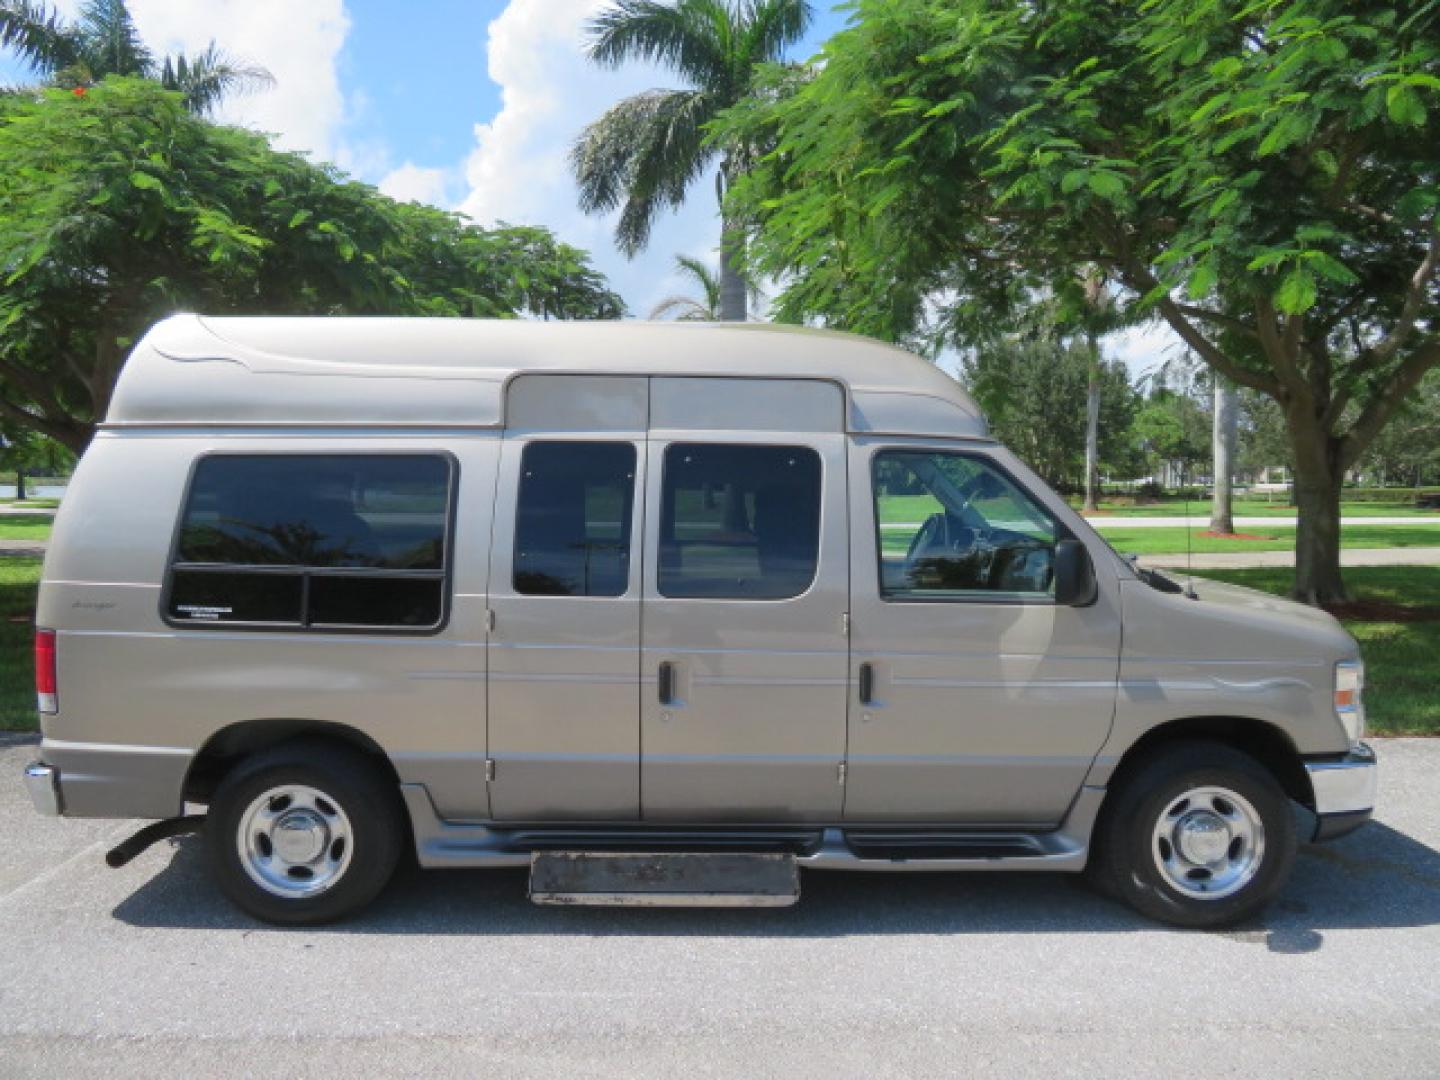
pixel 304 833
pixel 1198 835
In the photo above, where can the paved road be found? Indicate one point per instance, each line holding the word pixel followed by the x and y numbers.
pixel 145 972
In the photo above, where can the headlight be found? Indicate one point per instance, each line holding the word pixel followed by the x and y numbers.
pixel 1349 685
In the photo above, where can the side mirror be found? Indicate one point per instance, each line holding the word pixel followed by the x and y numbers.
pixel 1074 574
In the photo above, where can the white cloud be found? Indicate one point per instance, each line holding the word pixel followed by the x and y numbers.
pixel 1144 348
pixel 415 183
pixel 299 42
pixel 519 170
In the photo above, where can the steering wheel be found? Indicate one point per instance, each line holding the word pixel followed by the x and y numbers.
pixel 935 532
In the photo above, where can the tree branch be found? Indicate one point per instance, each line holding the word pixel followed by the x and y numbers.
pixel 1280 350
pixel 1240 326
pixel 1404 326
pixel 1375 415
pixel 70 433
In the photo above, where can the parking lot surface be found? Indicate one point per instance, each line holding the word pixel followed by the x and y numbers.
pixel 145 971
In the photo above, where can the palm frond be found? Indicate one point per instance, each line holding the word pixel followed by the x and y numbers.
pixel 38 35
pixel 690 309
pixel 641 156
pixel 702 275
pixel 109 42
pixel 770 27
pixel 688 36
pixel 207 79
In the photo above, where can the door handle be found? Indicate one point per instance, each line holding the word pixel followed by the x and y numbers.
pixel 867 684
pixel 665 682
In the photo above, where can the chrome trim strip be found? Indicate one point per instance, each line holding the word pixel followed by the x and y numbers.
pixel 1347 785
pixel 43 783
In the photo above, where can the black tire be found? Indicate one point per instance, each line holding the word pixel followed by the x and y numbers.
pixel 350 783
pixel 1124 863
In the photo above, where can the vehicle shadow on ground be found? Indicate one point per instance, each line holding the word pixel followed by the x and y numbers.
pixel 1375 878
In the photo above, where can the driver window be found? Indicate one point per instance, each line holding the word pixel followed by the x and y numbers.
pixel 953 527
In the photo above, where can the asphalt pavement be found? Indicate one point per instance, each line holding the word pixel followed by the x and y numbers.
pixel 146 972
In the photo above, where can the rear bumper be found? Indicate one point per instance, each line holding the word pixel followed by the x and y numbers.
pixel 1344 792
pixel 107 780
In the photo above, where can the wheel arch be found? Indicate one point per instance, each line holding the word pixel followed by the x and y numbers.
pixel 232 744
pixel 1265 742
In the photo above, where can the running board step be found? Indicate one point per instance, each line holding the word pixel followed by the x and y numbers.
pixel 664 879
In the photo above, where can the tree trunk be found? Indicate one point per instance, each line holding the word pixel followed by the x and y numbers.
pixel 1222 509
pixel 19 485
pixel 733 289
pixel 1318 479
pixel 1092 429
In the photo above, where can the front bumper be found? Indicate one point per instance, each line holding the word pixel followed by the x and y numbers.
pixel 43 783
pixel 1344 791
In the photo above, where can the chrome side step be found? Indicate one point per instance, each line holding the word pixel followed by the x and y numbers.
pixel 664 879
pixel 443 843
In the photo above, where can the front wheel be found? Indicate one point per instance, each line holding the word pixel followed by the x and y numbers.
pixel 1198 835
pixel 304 833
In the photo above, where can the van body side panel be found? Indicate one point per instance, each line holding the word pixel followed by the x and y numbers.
pixel 129 680
pixel 754 729
pixel 564 669
pixel 1230 653
pixel 981 712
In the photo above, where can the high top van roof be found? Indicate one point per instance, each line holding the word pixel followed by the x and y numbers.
pixel 198 371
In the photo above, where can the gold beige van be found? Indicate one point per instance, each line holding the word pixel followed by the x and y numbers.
pixel 665 612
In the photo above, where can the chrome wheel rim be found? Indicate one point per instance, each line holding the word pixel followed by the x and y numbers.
pixel 1208 843
pixel 294 841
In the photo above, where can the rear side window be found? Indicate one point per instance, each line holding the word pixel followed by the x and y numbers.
pixel 572 525
pixel 314 540
pixel 739 522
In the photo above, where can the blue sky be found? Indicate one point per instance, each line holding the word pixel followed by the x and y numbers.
pixel 418 78
pixel 467 104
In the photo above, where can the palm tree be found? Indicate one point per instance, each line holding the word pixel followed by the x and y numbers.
pixel 643 155
pixel 688 308
pixel 103 41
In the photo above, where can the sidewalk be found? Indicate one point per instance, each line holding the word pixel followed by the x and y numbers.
pixel 1244 560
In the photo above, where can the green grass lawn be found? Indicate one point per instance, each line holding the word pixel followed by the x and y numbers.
pixel 1167 541
pixel 18 580
pixel 28 527
pixel 1261 508
pixel 1402 696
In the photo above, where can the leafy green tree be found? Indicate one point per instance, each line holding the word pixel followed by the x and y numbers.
pixel 103 41
pixel 26 452
pixel 1174 430
pixel 119 207
pixel 1261 175
pixel 1408 450
pixel 643 155
pixel 1028 388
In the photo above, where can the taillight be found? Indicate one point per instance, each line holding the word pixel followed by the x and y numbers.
pixel 45 671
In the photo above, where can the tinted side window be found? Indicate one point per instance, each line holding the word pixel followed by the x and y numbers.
pixel 739 522
pixel 952 526
pixel 314 540
pixel 572 525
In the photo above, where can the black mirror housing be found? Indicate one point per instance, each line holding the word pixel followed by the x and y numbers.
pixel 1075 584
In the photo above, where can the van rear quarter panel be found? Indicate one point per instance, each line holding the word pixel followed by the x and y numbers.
pixel 138 696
